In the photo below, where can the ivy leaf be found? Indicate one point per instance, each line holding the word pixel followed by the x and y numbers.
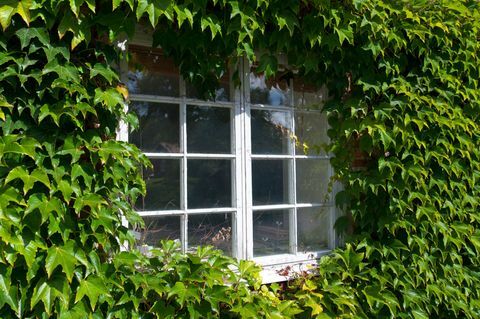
pixel 183 293
pixel 104 71
pixel 110 98
pixel 38 175
pixel 64 72
pixel 44 205
pixel 63 256
pixel 45 293
pixel 7 292
pixel 26 35
pixel 23 9
pixel 7 10
pixel 344 34
pixel 92 287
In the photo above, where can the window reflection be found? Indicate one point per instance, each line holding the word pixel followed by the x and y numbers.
pixel 158 228
pixel 313 227
pixel 271 132
pixel 273 91
pixel 159 127
pixel 149 72
pixel 270 232
pixel 211 229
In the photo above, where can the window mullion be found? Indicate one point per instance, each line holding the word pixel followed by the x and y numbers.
pixel 237 128
pixel 183 173
pixel 293 178
pixel 245 107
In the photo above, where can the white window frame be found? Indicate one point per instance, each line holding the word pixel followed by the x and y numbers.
pixel 241 158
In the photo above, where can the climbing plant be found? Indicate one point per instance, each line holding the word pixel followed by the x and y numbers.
pixel 404 98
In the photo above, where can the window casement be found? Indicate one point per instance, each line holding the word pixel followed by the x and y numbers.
pixel 243 173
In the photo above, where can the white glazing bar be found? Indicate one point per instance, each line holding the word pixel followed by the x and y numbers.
pixel 271 156
pixel 293 178
pixel 273 207
pixel 215 210
pixel 321 157
pixel 191 155
pixel 122 132
pixel 248 201
pixel 164 155
pixel 210 156
pixel 195 102
pixel 238 149
pixel 270 107
pixel 183 175
pixel 308 205
pixel 156 98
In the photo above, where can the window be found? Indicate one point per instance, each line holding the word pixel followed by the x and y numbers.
pixel 242 173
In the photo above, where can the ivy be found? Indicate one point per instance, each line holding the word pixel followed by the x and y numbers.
pixel 403 80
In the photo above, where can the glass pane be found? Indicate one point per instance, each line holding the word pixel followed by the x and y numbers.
pixel 271 132
pixel 211 229
pixel 309 96
pixel 270 232
pixel 222 93
pixel 208 129
pixel 270 181
pixel 274 91
pixel 311 132
pixel 312 181
pixel 209 183
pixel 158 228
pixel 313 227
pixel 163 186
pixel 158 131
pixel 149 72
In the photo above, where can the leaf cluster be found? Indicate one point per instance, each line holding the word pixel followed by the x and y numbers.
pixel 403 79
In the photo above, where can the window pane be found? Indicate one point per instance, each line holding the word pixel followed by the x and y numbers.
pixel 308 96
pixel 209 183
pixel 222 93
pixel 159 228
pixel 311 132
pixel 271 132
pixel 208 129
pixel 211 229
pixel 163 186
pixel 270 232
pixel 312 181
pixel 274 91
pixel 313 227
pixel 270 181
pixel 149 72
pixel 158 131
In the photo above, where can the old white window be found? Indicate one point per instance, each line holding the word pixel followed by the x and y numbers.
pixel 241 173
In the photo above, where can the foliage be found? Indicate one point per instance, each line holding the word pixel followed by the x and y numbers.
pixel 66 183
pixel 408 105
pixel 403 77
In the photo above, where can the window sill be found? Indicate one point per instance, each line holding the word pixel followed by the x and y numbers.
pixel 286 267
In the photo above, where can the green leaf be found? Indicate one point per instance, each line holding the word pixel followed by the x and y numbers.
pixel 7 9
pixel 104 71
pixel 63 256
pixel 93 287
pixel 109 98
pixel 183 293
pixel 23 9
pixel 38 175
pixel 7 292
pixel 44 205
pixel 344 34
pixel 26 35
